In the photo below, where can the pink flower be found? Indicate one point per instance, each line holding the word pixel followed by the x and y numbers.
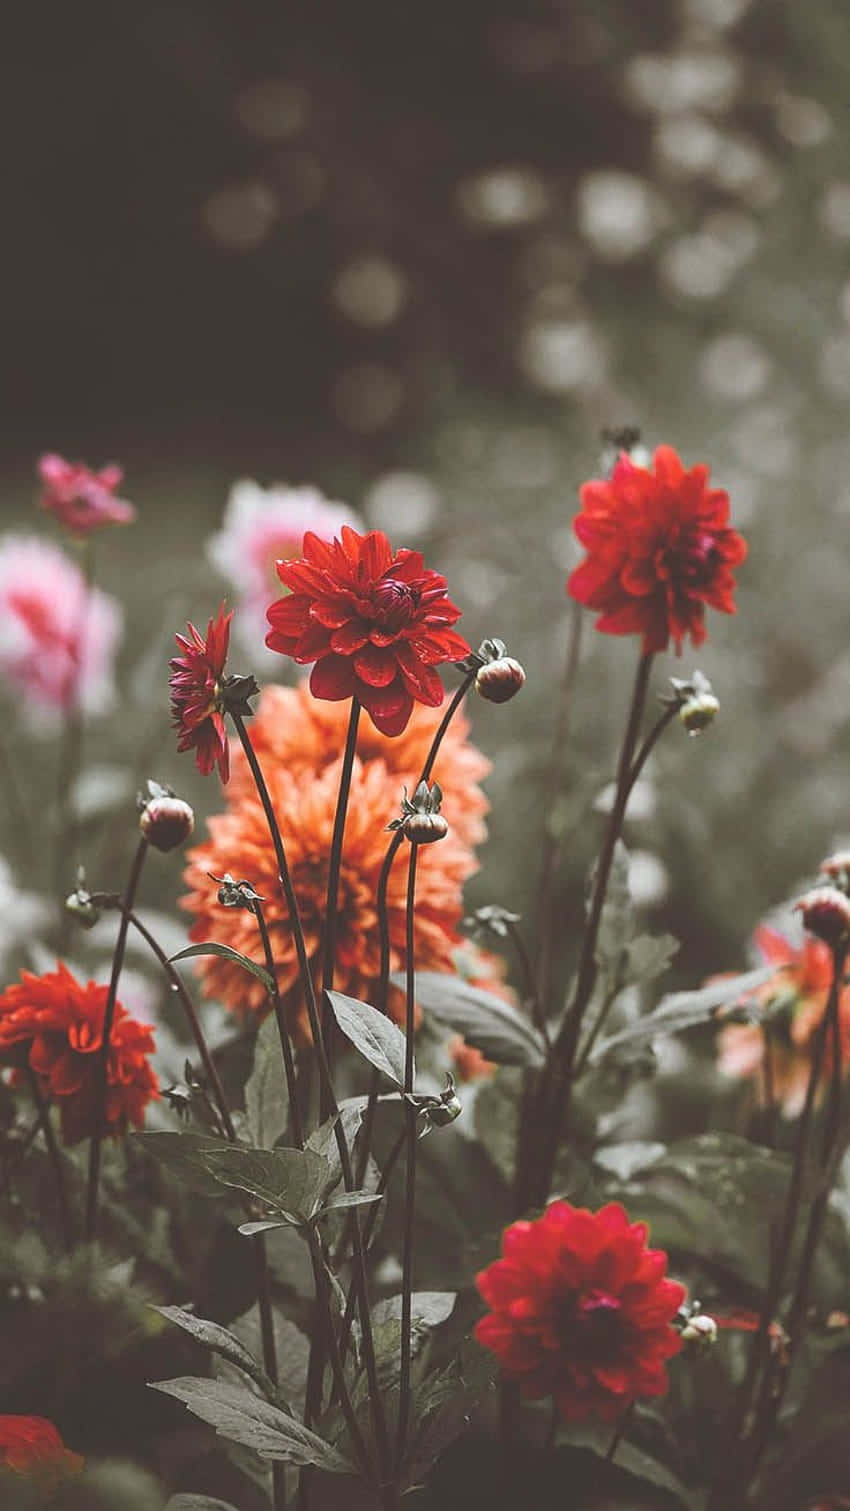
pixel 82 499
pixel 58 637
pixel 262 526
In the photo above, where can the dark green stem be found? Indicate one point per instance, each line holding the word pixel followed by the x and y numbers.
pixel 334 867
pixel 282 1029
pixel 102 1064
pixel 55 1157
pixel 619 1430
pixel 551 841
pixel 70 756
pixel 410 1167
pixel 264 1306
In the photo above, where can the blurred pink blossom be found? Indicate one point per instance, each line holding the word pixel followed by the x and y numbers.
pixel 262 526
pixel 58 637
pixel 81 499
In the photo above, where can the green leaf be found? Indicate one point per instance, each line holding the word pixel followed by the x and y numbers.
pixel 198 1503
pixel 291 1346
pixel 292 1182
pixel 266 1094
pixel 212 947
pixel 378 1039
pixel 427 1308
pixel 486 1021
pixel 683 1010
pixel 222 1342
pixel 616 924
pixel 324 1139
pixel 647 957
pixel 185 1156
pixel 240 1415
pixel 352 1199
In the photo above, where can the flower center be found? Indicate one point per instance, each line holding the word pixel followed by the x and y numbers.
pixel 394 604
pixel 591 1326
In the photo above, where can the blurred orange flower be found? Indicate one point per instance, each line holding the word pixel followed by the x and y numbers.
pixel 32 1445
pixel 299 741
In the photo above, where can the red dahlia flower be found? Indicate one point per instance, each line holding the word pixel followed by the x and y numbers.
pixel 376 624
pixel 659 548
pixel 580 1310
pixel 196 701
pixel 54 1024
pixel 32 1445
pixel 81 499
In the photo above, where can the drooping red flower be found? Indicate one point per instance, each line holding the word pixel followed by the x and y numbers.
pixel 80 498
pixel 581 1310
pixel 376 624
pixel 659 548
pixel 196 694
pixel 32 1445
pixel 54 1024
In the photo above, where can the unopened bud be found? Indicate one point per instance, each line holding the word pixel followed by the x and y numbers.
pixel 698 712
pixel 498 681
pixel 826 913
pixel 82 907
pixel 235 894
pixel 166 822
pixel 837 869
pixel 700 1331
pixel 422 822
pixel 437 1111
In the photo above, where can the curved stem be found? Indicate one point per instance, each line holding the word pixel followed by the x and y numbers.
pixel 324 1308
pixel 55 1157
pixel 102 1066
pixel 410 1168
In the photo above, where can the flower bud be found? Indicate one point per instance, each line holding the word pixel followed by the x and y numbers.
pixel 499 680
pixel 698 712
pixel 235 894
pixel 826 913
pixel 699 1332
pixel 837 869
pixel 82 907
pixel 422 822
pixel 166 821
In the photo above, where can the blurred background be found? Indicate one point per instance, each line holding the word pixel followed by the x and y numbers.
pixel 419 257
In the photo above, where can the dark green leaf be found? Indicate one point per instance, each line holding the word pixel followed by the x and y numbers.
pixel 242 1416
pixel 378 1040
pixel 185 1156
pixel 212 947
pixel 616 924
pixel 325 1139
pixel 292 1182
pixel 352 1199
pixel 266 1095
pixel 222 1342
pixel 682 1010
pixel 427 1308
pixel 197 1503
pixel 486 1021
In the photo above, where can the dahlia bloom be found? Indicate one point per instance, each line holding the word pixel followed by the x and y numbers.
pixel 261 526
pixel 659 548
pixel 32 1445
pixel 53 1024
pixel 804 974
pixel 580 1310
pixel 298 741
pixel 196 694
pixel 376 624
pixel 81 499
pixel 58 636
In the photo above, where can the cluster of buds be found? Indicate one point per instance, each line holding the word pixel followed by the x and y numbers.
pixel 693 698
pixel 697 1330
pixel 235 894
pixel 498 677
pixel 826 914
pixel 421 821
pixel 165 820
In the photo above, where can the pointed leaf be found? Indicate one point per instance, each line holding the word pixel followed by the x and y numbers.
pixel 266 1094
pixel 185 1155
pixel 198 1503
pixel 222 1342
pixel 486 1021
pixel 353 1199
pixel 289 1181
pixel 241 1416
pixel 212 947
pixel 682 1010
pixel 376 1037
pixel 249 1229
pixel 325 1142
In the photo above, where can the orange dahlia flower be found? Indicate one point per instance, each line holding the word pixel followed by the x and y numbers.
pixel 53 1024
pixel 299 742
pixel 803 985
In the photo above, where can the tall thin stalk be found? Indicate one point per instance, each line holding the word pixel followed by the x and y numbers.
pixel 282 1029
pixel 71 750
pixel 551 841
pixel 410 1166
pixel 102 1063
pixel 53 1153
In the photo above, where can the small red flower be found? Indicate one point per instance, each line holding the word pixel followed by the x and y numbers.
pixel 376 624
pixel 82 499
pixel 54 1024
pixel 580 1310
pixel 32 1445
pixel 659 548
pixel 196 702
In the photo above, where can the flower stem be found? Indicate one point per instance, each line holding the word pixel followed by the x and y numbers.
pixel 551 841
pixel 102 1065
pixel 332 1348
pixel 264 1306
pixel 334 867
pixel 410 1169
pixel 619 1430
pixel 71 751
pixel 556 1080
pixel 55 1157
pixel 282 1028
pixel 368 1230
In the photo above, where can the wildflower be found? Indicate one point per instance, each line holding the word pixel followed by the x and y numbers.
pixel 164 819
pixel 376 624
pixel 298 743
pixel 32 1446
pixel 659 548
pixel 58 636
pixel 580 1310
pixel 260 527
pixel 53 1024
pixel 196 694
pixel 825 912
pixel 81 499
pixel 794 1001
